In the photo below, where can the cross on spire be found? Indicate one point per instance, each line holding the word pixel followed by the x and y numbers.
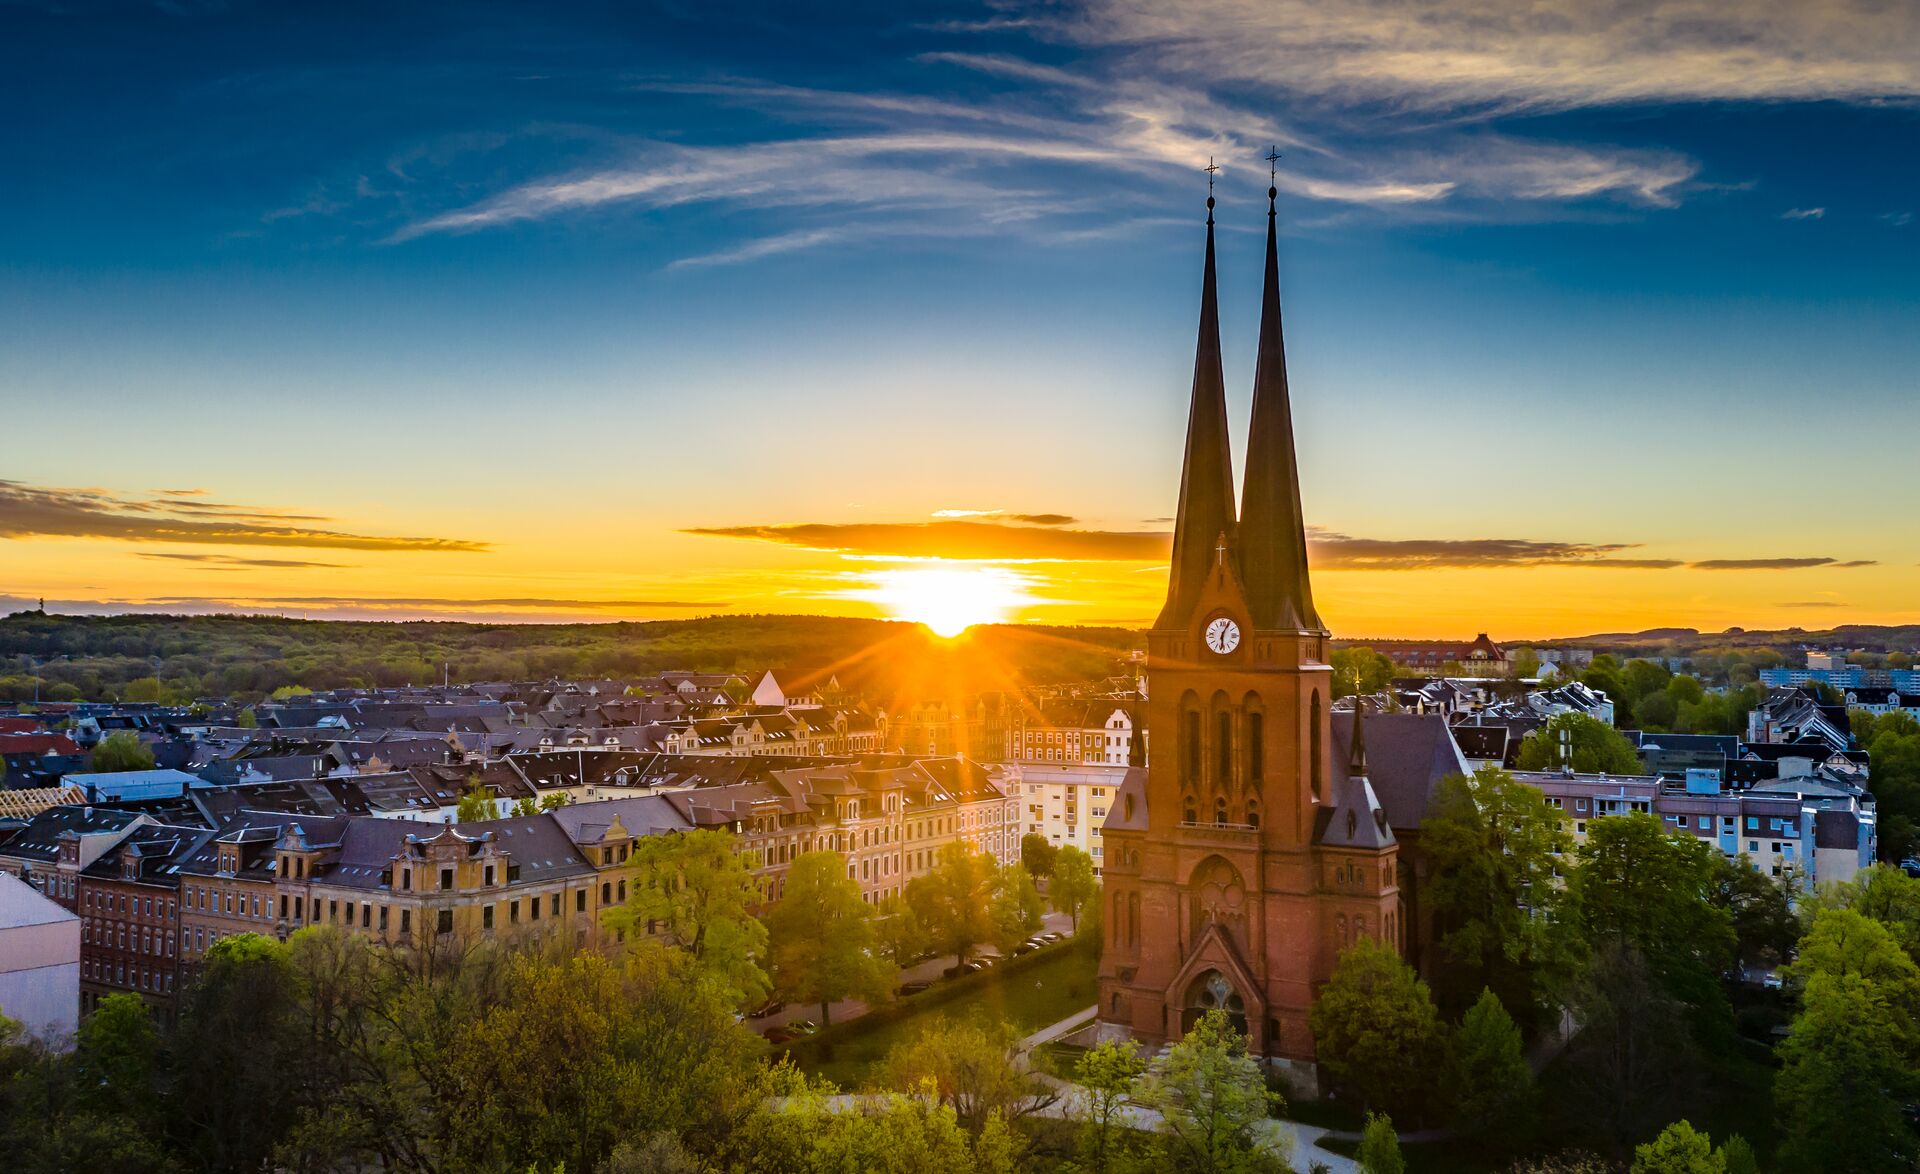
pixel 1273 162
pixel 1220 551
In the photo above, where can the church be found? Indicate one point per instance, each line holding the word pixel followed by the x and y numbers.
pixel 1258 842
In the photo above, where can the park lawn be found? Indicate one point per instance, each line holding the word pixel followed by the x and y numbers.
pixel 1028 994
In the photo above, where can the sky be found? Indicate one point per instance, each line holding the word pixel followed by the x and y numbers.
pixel 1601 314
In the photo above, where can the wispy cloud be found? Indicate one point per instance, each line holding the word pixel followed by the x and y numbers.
pixel 370 607
pixel 229 562
pixel 1555 54
pixel 31 511
pixel 1778 564
pixel 1803 214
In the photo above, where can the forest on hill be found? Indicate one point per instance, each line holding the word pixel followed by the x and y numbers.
pixel 181 658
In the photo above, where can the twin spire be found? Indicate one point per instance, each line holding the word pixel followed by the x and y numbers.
pixel 1267 539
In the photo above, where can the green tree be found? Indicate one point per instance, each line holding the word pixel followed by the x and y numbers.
pixel 898 933
pixel 554 800
pixel 1038 853
pixel 968 1066
pixel 144 690
pixel 1018 911
pixel 1881 892
pixel 1376 1030
pixel 1638 885
pixel 1492 846
pixel 524 806
pixel 1373 671
pixel 117 1055
pixel 1680 1149
pixel 700 892
pixel 1074 884
pixel 247 720
pixel 119 751
pixel 476 805
pixel 1525 663
pixel 1107 1073
pixel 1379 1151
pixel 1596 746
pixel 1494 1082
pixel 801 1132
pixel 954 903
pixel 821 944
pixel 1761 909
pixel 1737 1156
pixel 1634 1051
pixel 240 1052
pixel 1212 1099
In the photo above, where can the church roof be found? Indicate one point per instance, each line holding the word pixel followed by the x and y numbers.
pixel 1407 756
pixel 1273 538
pixel 1206 476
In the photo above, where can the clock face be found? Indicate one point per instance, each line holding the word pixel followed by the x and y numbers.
pixel 1223 635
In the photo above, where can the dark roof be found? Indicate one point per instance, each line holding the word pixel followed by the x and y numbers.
pixel 40 839
pixel 1132 786
pixel 1407 756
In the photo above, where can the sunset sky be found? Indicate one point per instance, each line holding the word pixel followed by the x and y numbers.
pixel 1602 316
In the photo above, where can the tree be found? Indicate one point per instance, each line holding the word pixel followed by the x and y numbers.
pixel 1212 1099
pixel 1017 909
pixel 1737 1156
pixel 247 720
pixel 119 751
pixel 1633 1050
pixel 1492 845
pixel 144 690
pixel 1638 885
pixel 1495 1083
pixel 968 1066
pixel 699 890
pixel 1379 1151
pixel 524 806
pixel 1760 908
pixel 476 805
pixel 1376 1030
pixel 821 944
pixel 1881 892
pixel 800 1131
pixel 1596 746
pixel 1525 663
pixel 898 933
pixel 554 800
pixel 1680 1149
pixel 1106 1073
pixel 1038 854
pixel 1074 884
pixel 117 1054
pixel 239 1050
pixel 954 902
pixel 1373 671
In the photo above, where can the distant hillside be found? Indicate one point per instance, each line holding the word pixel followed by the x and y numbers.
pixel 1683 641
pixel 96 657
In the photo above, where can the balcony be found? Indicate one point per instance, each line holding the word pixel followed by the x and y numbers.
pixel 1244 835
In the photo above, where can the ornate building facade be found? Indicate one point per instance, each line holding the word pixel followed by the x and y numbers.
pixel 1246 855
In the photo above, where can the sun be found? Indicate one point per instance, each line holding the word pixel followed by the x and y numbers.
pixel 949 600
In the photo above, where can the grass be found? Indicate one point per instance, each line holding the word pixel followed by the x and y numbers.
pixel 1027 994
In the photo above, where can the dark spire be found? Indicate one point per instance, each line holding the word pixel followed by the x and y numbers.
pixel 1206 477
pixel 1273 550
pixel 1357 759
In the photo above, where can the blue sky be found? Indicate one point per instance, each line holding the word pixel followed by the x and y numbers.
pixel 518 274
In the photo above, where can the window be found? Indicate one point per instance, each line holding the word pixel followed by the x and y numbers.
pixel 446 921
pixel 1223 749
pixel 1256 746
pixel 446 879
pixel 579 901
pixel 486 917
pixel 1191 751
pixel 487 879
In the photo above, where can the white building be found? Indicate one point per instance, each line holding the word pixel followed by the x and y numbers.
pixel 1066 803
pixel 39 963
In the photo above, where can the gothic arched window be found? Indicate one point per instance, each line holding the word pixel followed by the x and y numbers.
pixel 1190 751
pixel 1256 746
pixel 1318 751
pixel 1223 750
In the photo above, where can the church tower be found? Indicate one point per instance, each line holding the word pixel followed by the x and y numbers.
pixel 1239 862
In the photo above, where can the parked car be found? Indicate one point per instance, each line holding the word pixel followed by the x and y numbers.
pixel 803 1027
pixel 1026 948
pixel 1052 936
pixel 770 1007
pixel 782 1035
pixel 914 988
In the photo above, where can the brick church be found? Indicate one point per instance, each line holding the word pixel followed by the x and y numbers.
pixel 1253 848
